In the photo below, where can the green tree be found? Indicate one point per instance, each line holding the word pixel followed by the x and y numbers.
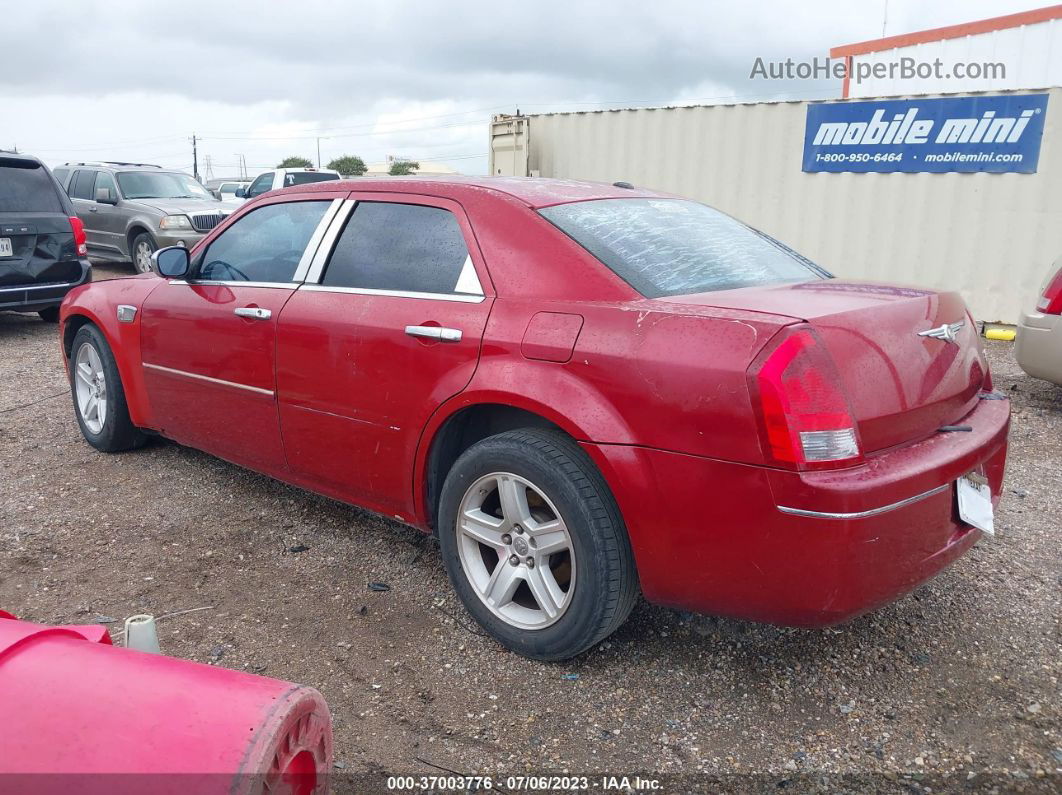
pixel 402 168
pixel 349 166
pixel 295 162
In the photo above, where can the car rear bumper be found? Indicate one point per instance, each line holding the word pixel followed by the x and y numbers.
pixel 801 549
pixel 1038 347
pixel 35 297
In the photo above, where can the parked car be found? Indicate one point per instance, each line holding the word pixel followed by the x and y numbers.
pixel 1038 347
pixel 286 178
pixel 580 389
pixel 42 242
pixel 225 189
pixel 130 210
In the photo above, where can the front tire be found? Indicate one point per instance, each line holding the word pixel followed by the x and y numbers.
pixel 99 399
pixel 144 246
pixel 534 544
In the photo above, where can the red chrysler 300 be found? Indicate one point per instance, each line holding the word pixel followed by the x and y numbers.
pixel 583 390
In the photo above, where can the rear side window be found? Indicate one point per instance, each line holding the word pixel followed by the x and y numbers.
pixel 61 174
pixel 81 186
pixel 27 187
pixel 674 247
pixel 306 177
pixel 402 247
pixel 263 246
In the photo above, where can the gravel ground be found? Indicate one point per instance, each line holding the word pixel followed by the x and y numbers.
pixel 954 686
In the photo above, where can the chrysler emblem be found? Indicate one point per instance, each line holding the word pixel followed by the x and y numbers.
pixel 947 332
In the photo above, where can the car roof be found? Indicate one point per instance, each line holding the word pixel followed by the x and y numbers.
pixel 533 191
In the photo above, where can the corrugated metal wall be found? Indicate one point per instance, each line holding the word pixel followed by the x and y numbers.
pixel 991 236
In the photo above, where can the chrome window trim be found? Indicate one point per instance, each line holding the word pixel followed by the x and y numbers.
pixel 328 242
pixel 464 299
pixel 468 279
pixel 314 242
pixel 198 377
pixel 863 514
pixel 213 283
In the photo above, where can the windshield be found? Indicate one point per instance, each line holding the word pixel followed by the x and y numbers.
pixel 675 247
pixel 160 185
pixel 306 177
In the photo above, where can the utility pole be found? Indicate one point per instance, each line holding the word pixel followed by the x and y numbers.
pixel 195 159
pixel 318 152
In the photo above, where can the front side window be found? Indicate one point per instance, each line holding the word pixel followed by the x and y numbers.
pixel 403 247
pixel 105 180
pixel 81 185
pixel 263 246
pixel 675 247
pixel 261 184
pixel 160 185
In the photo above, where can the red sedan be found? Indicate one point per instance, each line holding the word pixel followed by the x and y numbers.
pixel 583 390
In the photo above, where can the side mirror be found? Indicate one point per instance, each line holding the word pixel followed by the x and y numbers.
pixel 241 193
pixel 171 262
pixel 103 196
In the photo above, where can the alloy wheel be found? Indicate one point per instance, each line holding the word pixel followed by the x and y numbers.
pixel 143 256
pixel 91 388
pixel 516 550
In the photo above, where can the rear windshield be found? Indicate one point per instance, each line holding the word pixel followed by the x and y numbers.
pixel 675 247
pixel 306 177
pixel 27 187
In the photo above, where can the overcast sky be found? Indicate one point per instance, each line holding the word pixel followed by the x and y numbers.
pixel 125 80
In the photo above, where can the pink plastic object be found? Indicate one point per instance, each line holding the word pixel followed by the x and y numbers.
pixel 80 715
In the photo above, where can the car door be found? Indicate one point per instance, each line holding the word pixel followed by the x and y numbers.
pixel 109 219
pixel 387 326
pixel 82 184
pixel 208 342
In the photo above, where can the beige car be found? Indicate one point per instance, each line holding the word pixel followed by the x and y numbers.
pixel 1039 343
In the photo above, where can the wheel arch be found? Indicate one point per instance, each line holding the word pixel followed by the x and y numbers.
pixel 135 228
pixel 467 420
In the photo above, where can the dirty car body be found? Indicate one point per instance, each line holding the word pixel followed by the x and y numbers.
pixel 771 437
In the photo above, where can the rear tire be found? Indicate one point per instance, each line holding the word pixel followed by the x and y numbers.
pixel 49 315
pixel 558 580
pixel 99 399
pixel 144 246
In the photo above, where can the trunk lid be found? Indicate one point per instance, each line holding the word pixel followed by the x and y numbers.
pixel 902 385
pixel 42 249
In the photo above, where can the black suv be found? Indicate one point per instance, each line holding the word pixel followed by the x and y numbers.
pixel 43 251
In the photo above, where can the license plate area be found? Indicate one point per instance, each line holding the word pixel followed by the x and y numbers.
pixel 6 249
pixel 975 502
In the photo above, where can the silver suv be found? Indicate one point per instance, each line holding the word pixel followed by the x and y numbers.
pixel 130 210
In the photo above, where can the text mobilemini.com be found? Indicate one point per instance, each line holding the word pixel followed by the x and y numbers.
pixel 905 68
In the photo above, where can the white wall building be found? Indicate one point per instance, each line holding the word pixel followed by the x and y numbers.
pixel 1027 45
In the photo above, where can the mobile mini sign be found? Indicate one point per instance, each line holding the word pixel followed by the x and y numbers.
pixel 998 133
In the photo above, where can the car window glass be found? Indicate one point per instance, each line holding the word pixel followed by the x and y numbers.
pixel 263 246
pixel 306 177
pixel 676 247
pixel 26 187
pixel 261 184
pixel 105 180
pixel 81 187
pixel 407 247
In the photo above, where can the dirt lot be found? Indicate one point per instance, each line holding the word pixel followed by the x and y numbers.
pixel 957 684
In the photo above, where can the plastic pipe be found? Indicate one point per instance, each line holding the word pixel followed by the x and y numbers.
pixel 80 715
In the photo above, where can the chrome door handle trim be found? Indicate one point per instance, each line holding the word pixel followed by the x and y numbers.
pixel 255 312
pixel 435 333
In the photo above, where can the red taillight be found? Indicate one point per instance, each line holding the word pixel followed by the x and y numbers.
pixel 807 423
pixel 79 236
pixel 1050 302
